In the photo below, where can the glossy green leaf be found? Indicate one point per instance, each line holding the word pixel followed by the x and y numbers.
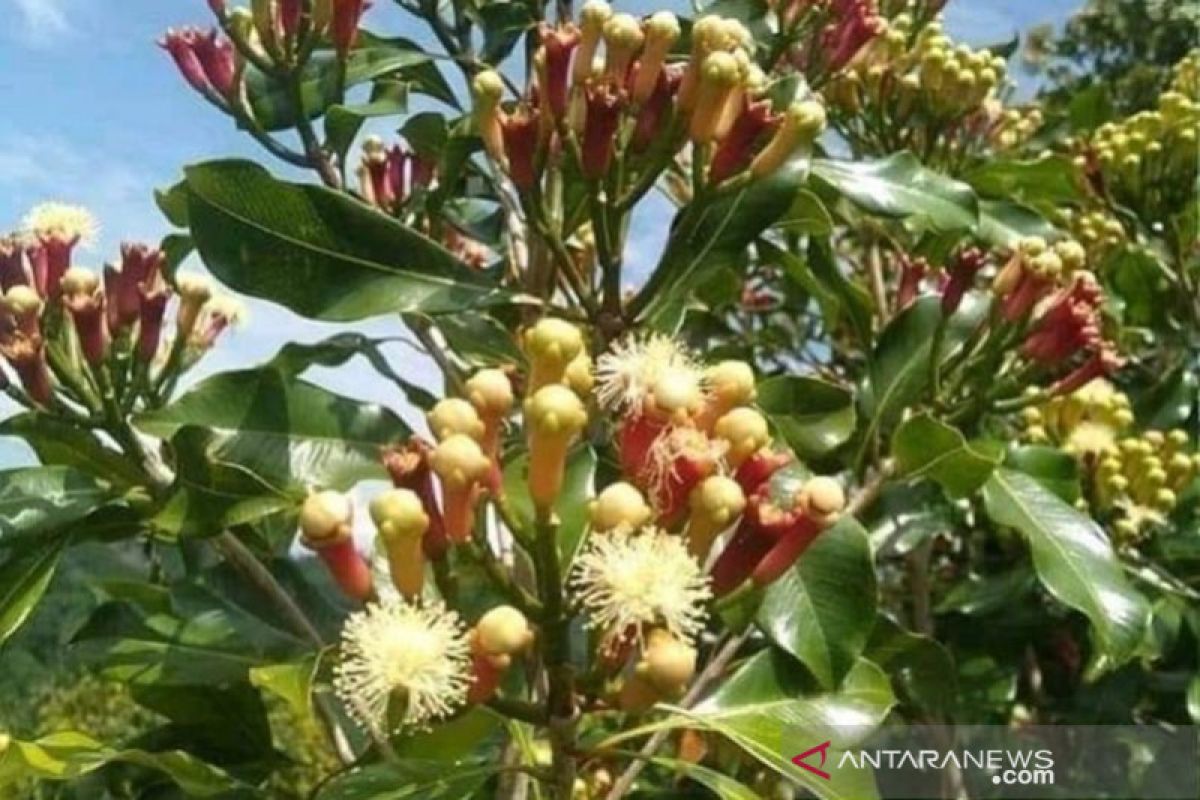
pixel 1073 558
pixel 343 122
pixel 292 683
pixel 925 447
pixel 899 186
pixel 1143 283
pixel 271 101
pixel 462 738
pixel 764 709
pixel 1054 469
pixel 503 23
pixel 840 299
pixel 1193 698
pixel 24 578
pixel 1003 223
pixel 723 786
pixel 409 779
pixel 479 339
pixel 63 444
pixel 321 253
pixel 1050 179
pixel 899 374
pixel 823 609
pixel 295 358
pixel 921 667
pixel 41 500
pixel 712 235
pixel 807 216
pixel 68 755
pixel 288 431
pixel 982 595
pixel 814 417
pixel 1170 402
pixel 572 505
pixel 198 632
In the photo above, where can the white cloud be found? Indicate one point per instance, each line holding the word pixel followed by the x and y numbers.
pixel 42 21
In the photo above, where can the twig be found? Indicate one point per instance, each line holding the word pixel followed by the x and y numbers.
pixel 242 559
pixel 715 668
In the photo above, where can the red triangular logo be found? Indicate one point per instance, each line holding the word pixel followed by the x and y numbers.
pixel 822 748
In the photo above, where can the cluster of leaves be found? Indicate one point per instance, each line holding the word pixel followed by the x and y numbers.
pixel 977 582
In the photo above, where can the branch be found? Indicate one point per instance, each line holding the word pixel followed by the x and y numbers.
pixel 726 653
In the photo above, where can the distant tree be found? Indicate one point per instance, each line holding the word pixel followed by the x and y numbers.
pixel 1126 46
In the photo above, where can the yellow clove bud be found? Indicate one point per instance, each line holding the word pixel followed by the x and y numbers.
pixel 620 507
pixel 491 393
pixel 730 384
pixel 488 89
pixel 452 416
pixel 401 520
pixel 745 432
pixel 719 75
pixel 592 17
pixel 503 631
pixel 551 345
pixel 554 416
pixel 461 465
pixel 802 124
pixel 326 517
pixel 662 29
pixel 715 504
pixel 667 663
pixel 623 37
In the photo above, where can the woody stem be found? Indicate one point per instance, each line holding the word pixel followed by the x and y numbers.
pixel 555 645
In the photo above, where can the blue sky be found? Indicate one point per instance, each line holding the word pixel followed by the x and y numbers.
pixel 95 114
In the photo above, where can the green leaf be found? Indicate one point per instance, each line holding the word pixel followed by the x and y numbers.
pixel 1073 558
pixel 409 779
pixel 925 447
pixel 922 669
pixel 319 252
pixel 823 609
pixel 63 444
pixel 572 505
pixel 814 417
pixel 764 709
pixel 198 632
pixel 712 234
pixel 1053 468
pixel 1193 698
pixel 503 24
pixel 40 500
pixel 1003 223
pixel 271 99
pixel 480 339
pixel 1170 402
pixel 898 374
pixel 807 216
pixel 983 595
pixel 288 431
pixel 1143 284
pixel 723 786
pixel 69 755
pixel 900 187
pixel 343 122
pixel 839 298
pixel 1049 179
pixel 210 495
pixel 295 358
pixel 24 578
pixel 292 683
